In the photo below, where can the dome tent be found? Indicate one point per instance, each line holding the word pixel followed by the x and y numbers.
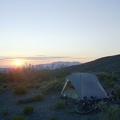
pixel 80 85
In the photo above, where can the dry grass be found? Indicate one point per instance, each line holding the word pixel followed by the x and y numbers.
pixel 18 118
pixel 20 90
pixel 37 97
pixel 28 110
pixel 59 105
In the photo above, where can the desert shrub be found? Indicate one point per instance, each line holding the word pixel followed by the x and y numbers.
pixel 112 113
pixel 21 101
pixel 3 77
pixel 59 105
pixel 20 90
pixel 117 90
pixel 4 112
pixel 52 118
pixel 108 80
pixel 38 97
pixel 33 84
pixel 52 85
pixel 111 83
pixel 5 86
pixel 1 89
pixel 102 106
pixel 28 110
pixel 21 74
pixel 102 75
pixel 18 118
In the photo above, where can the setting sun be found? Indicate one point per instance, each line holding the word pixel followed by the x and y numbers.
pixel 18 62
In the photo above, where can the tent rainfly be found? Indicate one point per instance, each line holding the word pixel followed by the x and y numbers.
pixel 80 85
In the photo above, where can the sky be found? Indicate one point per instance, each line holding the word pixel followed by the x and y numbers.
pixel 44 31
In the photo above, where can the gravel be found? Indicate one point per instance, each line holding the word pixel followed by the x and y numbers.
pixel 43 110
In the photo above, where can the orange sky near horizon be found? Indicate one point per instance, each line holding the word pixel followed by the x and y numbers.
pixel 23 61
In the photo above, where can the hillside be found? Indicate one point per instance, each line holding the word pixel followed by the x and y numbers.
pixel 106 64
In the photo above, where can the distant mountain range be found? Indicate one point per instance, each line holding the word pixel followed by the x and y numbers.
pixel 54 65
pixel 58 64
pixel 3 70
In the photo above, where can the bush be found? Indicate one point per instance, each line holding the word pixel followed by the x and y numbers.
pixel 59 105
pixel 117 90
pixel 111 83
pixel 28 110
pixel 52 118
pixel 20 90
pixel 5 86
pixel 3 77
pixel 38 97
pixel 1 89
pixel 52 85
pixel 112 113
pixel 103 106
pixel 5 112
pixel 22 101
pixel 18 118
pixel 108 80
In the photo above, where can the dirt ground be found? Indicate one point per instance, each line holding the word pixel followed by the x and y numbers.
pixel 43 110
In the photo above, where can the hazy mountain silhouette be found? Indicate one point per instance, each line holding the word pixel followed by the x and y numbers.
pixel 58 64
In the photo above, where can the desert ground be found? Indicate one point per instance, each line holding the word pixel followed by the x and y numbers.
pixel 43 109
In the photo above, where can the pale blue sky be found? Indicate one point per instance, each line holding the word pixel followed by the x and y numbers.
pixel 43 31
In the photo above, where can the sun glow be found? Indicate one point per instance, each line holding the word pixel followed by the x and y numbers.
pixel 18 62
